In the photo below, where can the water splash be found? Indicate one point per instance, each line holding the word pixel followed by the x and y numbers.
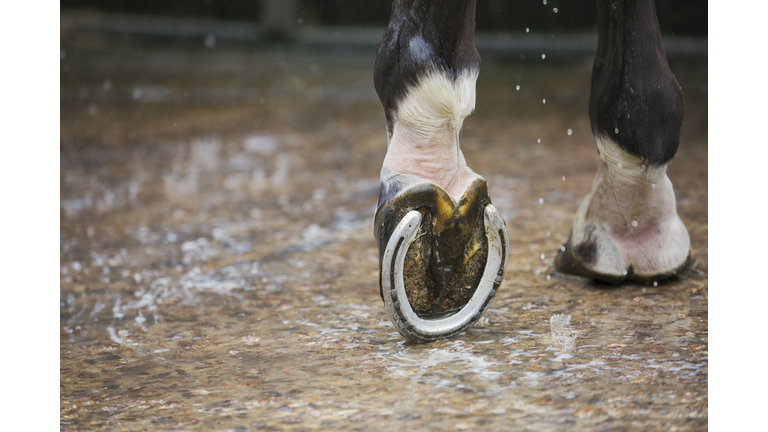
pixel 561 334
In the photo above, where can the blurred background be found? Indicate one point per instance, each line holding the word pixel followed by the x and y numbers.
pixel 360 24
pixel 682 17
pixel 219 168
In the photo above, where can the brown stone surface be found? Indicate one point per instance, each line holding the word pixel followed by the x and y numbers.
pixel 218 269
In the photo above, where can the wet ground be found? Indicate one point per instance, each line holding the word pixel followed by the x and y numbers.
pixel 219 271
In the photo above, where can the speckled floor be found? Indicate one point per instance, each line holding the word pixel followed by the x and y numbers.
pixel 219 272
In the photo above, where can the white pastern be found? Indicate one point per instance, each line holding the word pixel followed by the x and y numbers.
pixel 631 215
pixel 425 137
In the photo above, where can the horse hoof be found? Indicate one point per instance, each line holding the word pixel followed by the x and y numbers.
pixel 441 265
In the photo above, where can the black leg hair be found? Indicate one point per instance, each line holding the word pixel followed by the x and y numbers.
pixel 423 36
pixel 635 99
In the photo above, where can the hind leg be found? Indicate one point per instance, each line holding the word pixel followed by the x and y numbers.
pixel 442 245
pixel 627 228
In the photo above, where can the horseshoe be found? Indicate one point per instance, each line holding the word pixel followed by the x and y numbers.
pixel 399 310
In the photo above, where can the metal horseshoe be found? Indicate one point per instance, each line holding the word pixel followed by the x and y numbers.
pixel 399 310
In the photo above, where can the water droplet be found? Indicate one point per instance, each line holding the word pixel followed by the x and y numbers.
pixel 634 224
pixel 655 283
pixel 548 233
pixel 539 141
pixel 210 41
pixel 563 178
pixel 562 248
pixel 554 10
pixel 570 132
pixel 653 186
pixel 543 56
pixel 542 256
pixel 517 87
pixel 616 130
pixel 251 339
pixel 543 101
pixel 541 200
pixel 619 165
pixel 547 277
pixel 527 30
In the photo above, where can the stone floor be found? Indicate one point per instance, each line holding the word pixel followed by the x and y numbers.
pixel 219 271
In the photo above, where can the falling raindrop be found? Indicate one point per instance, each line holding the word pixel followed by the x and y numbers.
pixel 554 10
pixel 541 200
pixel 545 1
pixel 543 56
pixel 616 130
pixel 655 283
pixel 548 233
pixel 562 248
pixel 527 30
pixel 539 141
pixel 619 165
pixel 624 272
pixel 63 53
pixel 634 224
pixel 547 277
pixel 517 87
pixel 543 101
pixel 653 185
pixel 107 86
pixel 210 41
pixel 563 178
pixel 542 256
pixel 570 132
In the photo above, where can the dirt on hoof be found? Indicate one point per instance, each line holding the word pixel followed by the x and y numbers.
pixel 436 287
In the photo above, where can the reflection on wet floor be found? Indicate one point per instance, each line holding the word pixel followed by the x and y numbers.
pixel 218 268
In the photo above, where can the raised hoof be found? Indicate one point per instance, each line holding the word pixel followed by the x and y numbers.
pixel 441 261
